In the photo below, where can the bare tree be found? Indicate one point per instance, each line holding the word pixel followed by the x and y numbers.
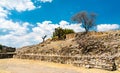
pixel 88 21
pixel 44 37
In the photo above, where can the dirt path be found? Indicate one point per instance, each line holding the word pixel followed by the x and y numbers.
pixel 30 66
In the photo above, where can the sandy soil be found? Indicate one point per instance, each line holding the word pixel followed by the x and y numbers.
pixel 30 66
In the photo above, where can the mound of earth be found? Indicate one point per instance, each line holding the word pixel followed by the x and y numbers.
pixel 92 43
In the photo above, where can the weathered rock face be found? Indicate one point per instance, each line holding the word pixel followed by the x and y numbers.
pixel 92 50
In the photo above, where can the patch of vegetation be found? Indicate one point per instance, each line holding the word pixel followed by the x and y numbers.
pixel 0 48
pixel 60 33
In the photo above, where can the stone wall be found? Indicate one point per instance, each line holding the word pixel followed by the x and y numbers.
pixel 79 51
pixel 101 62
pixel 6 56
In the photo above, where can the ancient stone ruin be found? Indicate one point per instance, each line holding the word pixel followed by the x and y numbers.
pixel 6 52
pixel 93 50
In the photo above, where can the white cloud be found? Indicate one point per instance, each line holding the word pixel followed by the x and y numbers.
pixel 3 13
pixel 14 41
pixel 76 27
pixel 19 5
pixel 19 36
pixel 107 27
pixel 44 1
pixel 47 28
pixel 14 27
pixel 13 31
pixel 63 23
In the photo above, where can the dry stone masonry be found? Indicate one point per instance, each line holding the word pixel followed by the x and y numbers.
pixel 101 62
pixel 6 52
pixel 93 50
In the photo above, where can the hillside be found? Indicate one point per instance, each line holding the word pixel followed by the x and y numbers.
pixel 92 50
pixel 93 43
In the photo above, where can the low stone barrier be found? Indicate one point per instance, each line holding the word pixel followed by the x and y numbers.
pixel 6 55
pixel 102 62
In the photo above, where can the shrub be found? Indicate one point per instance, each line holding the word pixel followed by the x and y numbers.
pixel 60 33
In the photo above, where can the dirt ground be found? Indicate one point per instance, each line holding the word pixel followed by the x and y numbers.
pixel 30 66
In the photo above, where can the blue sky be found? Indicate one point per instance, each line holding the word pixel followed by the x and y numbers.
pixel 107 11
pixel 24 22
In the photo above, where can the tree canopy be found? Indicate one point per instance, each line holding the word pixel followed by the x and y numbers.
pixel 0 46
pixel 88 21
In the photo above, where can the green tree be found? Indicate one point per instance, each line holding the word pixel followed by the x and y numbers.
pixel 68 31
pixel 0 48
pixel 88 21
pixel 60 33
